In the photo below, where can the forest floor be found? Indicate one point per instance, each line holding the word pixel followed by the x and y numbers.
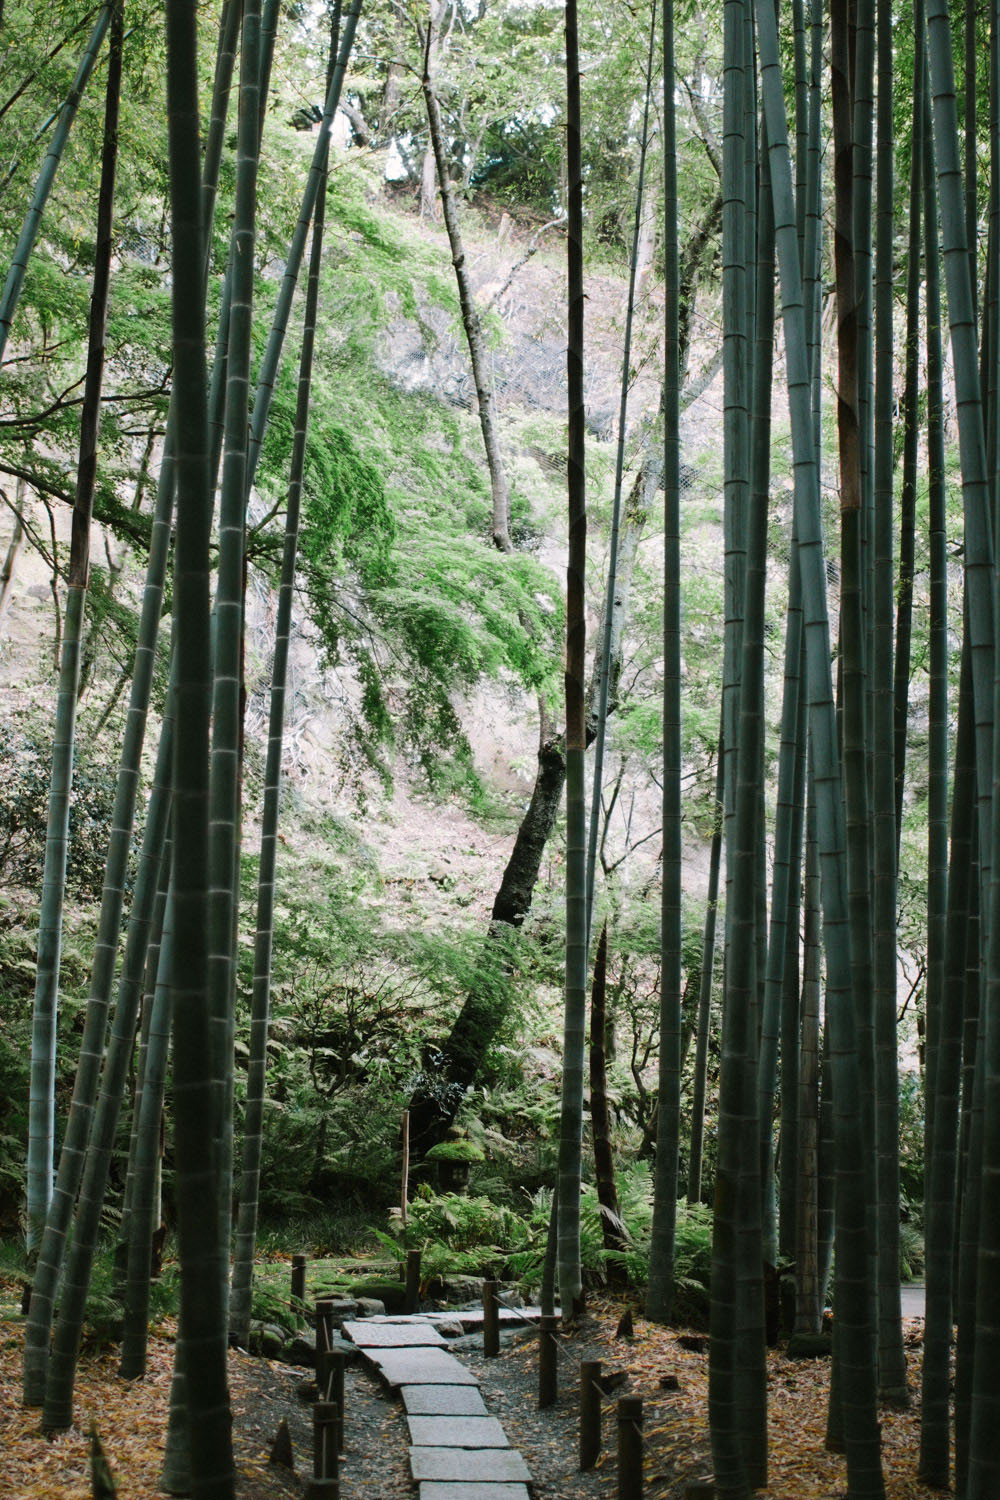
pixel 130 1418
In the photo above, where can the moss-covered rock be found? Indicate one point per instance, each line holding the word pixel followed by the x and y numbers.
pixel 456 1151
pixel 392 1293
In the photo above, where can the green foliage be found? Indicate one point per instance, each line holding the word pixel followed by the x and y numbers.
pixel 26 759
pixel 911 1139
pixel 271 1305
pixel 519 164
pixel 105 1312
pixel 352 1004
pixel 911 1251
pixel 457 1235
pixel 18 950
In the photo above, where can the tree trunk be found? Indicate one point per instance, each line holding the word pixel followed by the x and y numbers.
pixel 600 1115
pixel 808 1290
pixel 485 394
pixel 853 1268
pixel 202 1307
pixel 13 549
pixel 42 1102
pixel 571 1117
pixel 46 177
pixel 439 1092
pixel 249 1195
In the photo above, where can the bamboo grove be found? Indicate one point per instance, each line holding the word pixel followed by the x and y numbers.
pixel 847 182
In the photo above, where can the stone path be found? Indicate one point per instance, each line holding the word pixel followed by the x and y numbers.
pixel 457 1450
pixel 911 1298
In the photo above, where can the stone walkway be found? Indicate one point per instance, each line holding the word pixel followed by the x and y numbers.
pixel 457 1450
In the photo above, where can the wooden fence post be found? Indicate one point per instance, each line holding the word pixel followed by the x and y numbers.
pixel 547 1353
pixel 590 1412
pixel 630 1448
pixel 298 1284
pixel 325 1483
pixel 324 1324
pixel 491 1319
pixel 404 1189
pixel 330 1385
pixel 412 1301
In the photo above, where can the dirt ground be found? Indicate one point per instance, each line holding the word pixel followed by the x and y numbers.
pixel 671 1379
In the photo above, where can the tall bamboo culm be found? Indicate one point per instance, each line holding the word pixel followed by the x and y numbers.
pixel 202 1311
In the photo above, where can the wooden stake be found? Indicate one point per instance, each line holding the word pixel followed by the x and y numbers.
pixel 491 1320
pixel 298 1284
pixel 325 1484
pixel 330 1384
pixel 590 1412
pixel 547 1353
pixel 629 1448
pixel 412 1301
pixel 324 1323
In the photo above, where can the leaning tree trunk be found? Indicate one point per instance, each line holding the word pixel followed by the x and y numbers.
pixel 940 1198
pixel 979 550
pixel 911 434
pixel 13 551
pixel 892 1360
pixel 485 394
pixel 226 744
pixel 267 375
pixel 112 900
pixel 600 1114
pixel 571 1122
pixel 146 1145
pixel 43 186
pixel 58 1410
pixel 605 648
pixel 808 1289
pixel 249 1197
pixel 43 1042
pixel 659 1295
pixel 704 1023
pixel 436 1099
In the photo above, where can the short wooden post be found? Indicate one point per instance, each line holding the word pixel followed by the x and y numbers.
pixel 590 1412
pixel 491 1319
pixel 325 1483
pixel 547 1353
pixel 326 1460
pixel 330 1384
pixel 412 1301
pixel 324 1323
pixel 630 1448
pixel 298 1284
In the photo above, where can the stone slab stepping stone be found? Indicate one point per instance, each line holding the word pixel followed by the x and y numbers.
pixel 433 1489
pixel 443 1401
pixel 516 1317
pixel 456 1432
pixel 487 1466
pixel 469 1317
pixel 420 1366
pixel 371 1335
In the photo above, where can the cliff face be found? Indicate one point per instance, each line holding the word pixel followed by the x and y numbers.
pixel 433 851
